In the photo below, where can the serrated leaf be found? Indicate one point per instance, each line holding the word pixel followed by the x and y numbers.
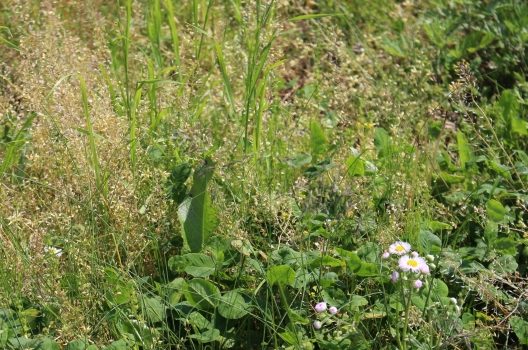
pixel 233 306
pixel 194 264
pixel 197 214
pixel 281 274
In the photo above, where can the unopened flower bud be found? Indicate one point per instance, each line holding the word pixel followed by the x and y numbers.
pixel 332 310
pixel 317 324
pixel 417 284
pixel 320 307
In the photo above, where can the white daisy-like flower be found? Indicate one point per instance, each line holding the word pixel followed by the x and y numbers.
pixel 414 264
pixel 53 251
pixel 399 248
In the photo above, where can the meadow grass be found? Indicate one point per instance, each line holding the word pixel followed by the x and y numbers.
pixel 225 174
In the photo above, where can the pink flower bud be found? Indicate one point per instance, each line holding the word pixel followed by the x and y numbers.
pixel 385 255
pixel 320 307
pixel 332 310
pixel 417 284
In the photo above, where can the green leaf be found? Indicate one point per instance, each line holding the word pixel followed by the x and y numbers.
pixel 393 48
pixel 80 345
pixel 327 261
pixel 355 166
pixel 504 265
pixel 358 266
pixel 202 294
pixel 356 301
pixel 197 214
pixel 506 245
pixel 153 308
pixel 207 336
pixel 233 306
pixel 440 289
pixel 520 327
pixel 120 344
pixel 495 210
pixel 519 126
pixel 299 160
pixel 509 106
pixel 318 140
pixel 464 150
pixel 176 182
pixel 383 143
pixel 429 242
pixel 281 274
pixel 194 264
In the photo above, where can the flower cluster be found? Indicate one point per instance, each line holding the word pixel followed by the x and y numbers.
pixel 407 262
pixel 320 308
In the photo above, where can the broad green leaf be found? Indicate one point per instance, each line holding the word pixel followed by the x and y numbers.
pixel 80 345
pixel 299 160
pixel 280 274
pixel 202 294
pixel 519 126
pixel 197 214
pixel 120 344
pixel 153 308
pixel 358 266
pixel 429 242
pixel 198 320
pixel 436 226
pixel 464 150
pixel 355 166
pixel 318 140
pixel 495 210
pixel 520 327
pixel 233 306
pixel 440 289
pixel 194 264
pixel 327 261
pixel 207 336
pixel 506 245
pixel 357 301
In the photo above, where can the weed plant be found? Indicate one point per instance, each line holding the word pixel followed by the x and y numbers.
pixel 263 175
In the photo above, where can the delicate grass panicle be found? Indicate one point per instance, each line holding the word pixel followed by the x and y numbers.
pixel 232 174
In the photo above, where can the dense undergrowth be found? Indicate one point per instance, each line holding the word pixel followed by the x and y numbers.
pixel 260 175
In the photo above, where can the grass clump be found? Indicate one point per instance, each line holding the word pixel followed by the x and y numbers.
pixel 270 174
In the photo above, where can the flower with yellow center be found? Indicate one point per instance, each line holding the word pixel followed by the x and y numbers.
pixel 399 248
pixel 414 264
